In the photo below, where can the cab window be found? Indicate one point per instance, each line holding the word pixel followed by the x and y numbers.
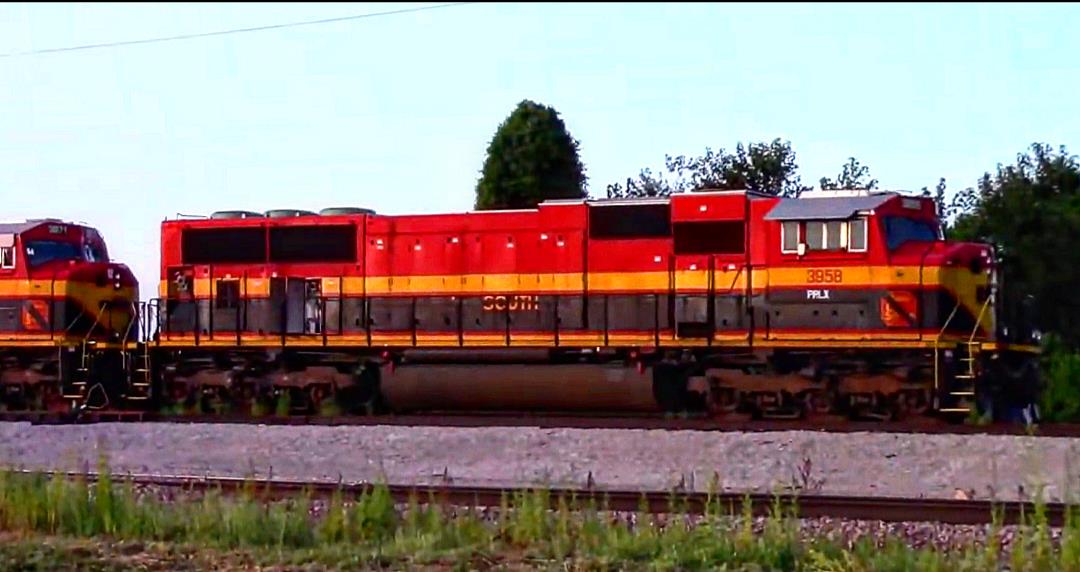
pixel 39 252
pixel 824 235
pixel 789 241
pixel 857 235
pixel 815 235
pixel 94 253
pixel 899 230
pixel 7 257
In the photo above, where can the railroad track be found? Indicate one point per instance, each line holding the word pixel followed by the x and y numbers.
pixel 598 420
pixel 889 509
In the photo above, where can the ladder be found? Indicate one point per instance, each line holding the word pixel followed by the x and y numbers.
pixel 138 373
pixel 82 373
pixel 139 378
pixel 76 388
pixel 962 390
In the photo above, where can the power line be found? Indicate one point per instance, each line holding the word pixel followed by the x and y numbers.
pixel 232 31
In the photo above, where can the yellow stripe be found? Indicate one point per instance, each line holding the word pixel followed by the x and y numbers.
pixel 548 341
pixel 11 288
pixel 39 341
pixel 887 276
pixel 723 281
pixel 60 288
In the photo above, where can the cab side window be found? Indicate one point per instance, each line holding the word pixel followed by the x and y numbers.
pixel 824 235
pixel 7 251
pixel 789 240
pixel 815 235
pixel 857 235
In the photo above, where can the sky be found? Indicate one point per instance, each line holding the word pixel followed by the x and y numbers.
pixel 395 112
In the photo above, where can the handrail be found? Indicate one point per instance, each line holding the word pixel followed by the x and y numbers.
pixel 978 321
pixel 947 322
pixel 937 347
pixel 131 323
pixel 72 324
pixel 90 332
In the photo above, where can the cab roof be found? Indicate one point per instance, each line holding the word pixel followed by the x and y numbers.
pixel 21 227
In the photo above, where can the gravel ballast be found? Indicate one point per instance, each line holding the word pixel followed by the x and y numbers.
pixel 880 464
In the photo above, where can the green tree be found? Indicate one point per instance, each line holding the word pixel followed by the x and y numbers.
pixel 853 175
pixel 944 210
pixel 1031 212
pixel 531 158
pixel 763 167
pixel 646 185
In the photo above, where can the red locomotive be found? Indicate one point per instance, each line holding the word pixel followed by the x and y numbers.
pixel 66 313
pixel 728 300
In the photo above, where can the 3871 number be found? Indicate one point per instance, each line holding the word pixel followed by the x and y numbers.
pixel 823 276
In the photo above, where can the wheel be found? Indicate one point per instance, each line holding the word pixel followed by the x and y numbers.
pixel 724 400
pixel 817 402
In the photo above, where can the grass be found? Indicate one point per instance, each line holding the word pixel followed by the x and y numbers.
pixel 62 524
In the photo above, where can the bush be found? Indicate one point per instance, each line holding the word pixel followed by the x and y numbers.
pixel 1061 382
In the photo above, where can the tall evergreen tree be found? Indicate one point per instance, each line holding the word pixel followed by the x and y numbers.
pixel 531 158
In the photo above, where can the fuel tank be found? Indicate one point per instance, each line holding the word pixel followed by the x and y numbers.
pixel 517 386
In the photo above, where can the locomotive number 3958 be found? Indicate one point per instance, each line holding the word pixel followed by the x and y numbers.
pixel 827 276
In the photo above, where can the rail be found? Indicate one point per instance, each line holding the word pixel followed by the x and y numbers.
pixel 888 509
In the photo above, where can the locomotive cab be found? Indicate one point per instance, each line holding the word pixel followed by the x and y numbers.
pixel 925 285
pixel 66 287
pixel 60 291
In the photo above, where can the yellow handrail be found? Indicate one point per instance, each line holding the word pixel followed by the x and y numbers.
pixel 937 347
pixel 978 320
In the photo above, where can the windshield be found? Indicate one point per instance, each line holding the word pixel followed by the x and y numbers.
pixel 899 230
pixel 92 253
pixel 41 251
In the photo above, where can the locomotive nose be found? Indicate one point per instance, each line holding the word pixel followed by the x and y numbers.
pixel 111 300
pixel 977 258
pixel 115 277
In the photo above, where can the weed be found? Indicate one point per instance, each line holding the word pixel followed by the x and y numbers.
pixel 370 530
pixel 284 403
